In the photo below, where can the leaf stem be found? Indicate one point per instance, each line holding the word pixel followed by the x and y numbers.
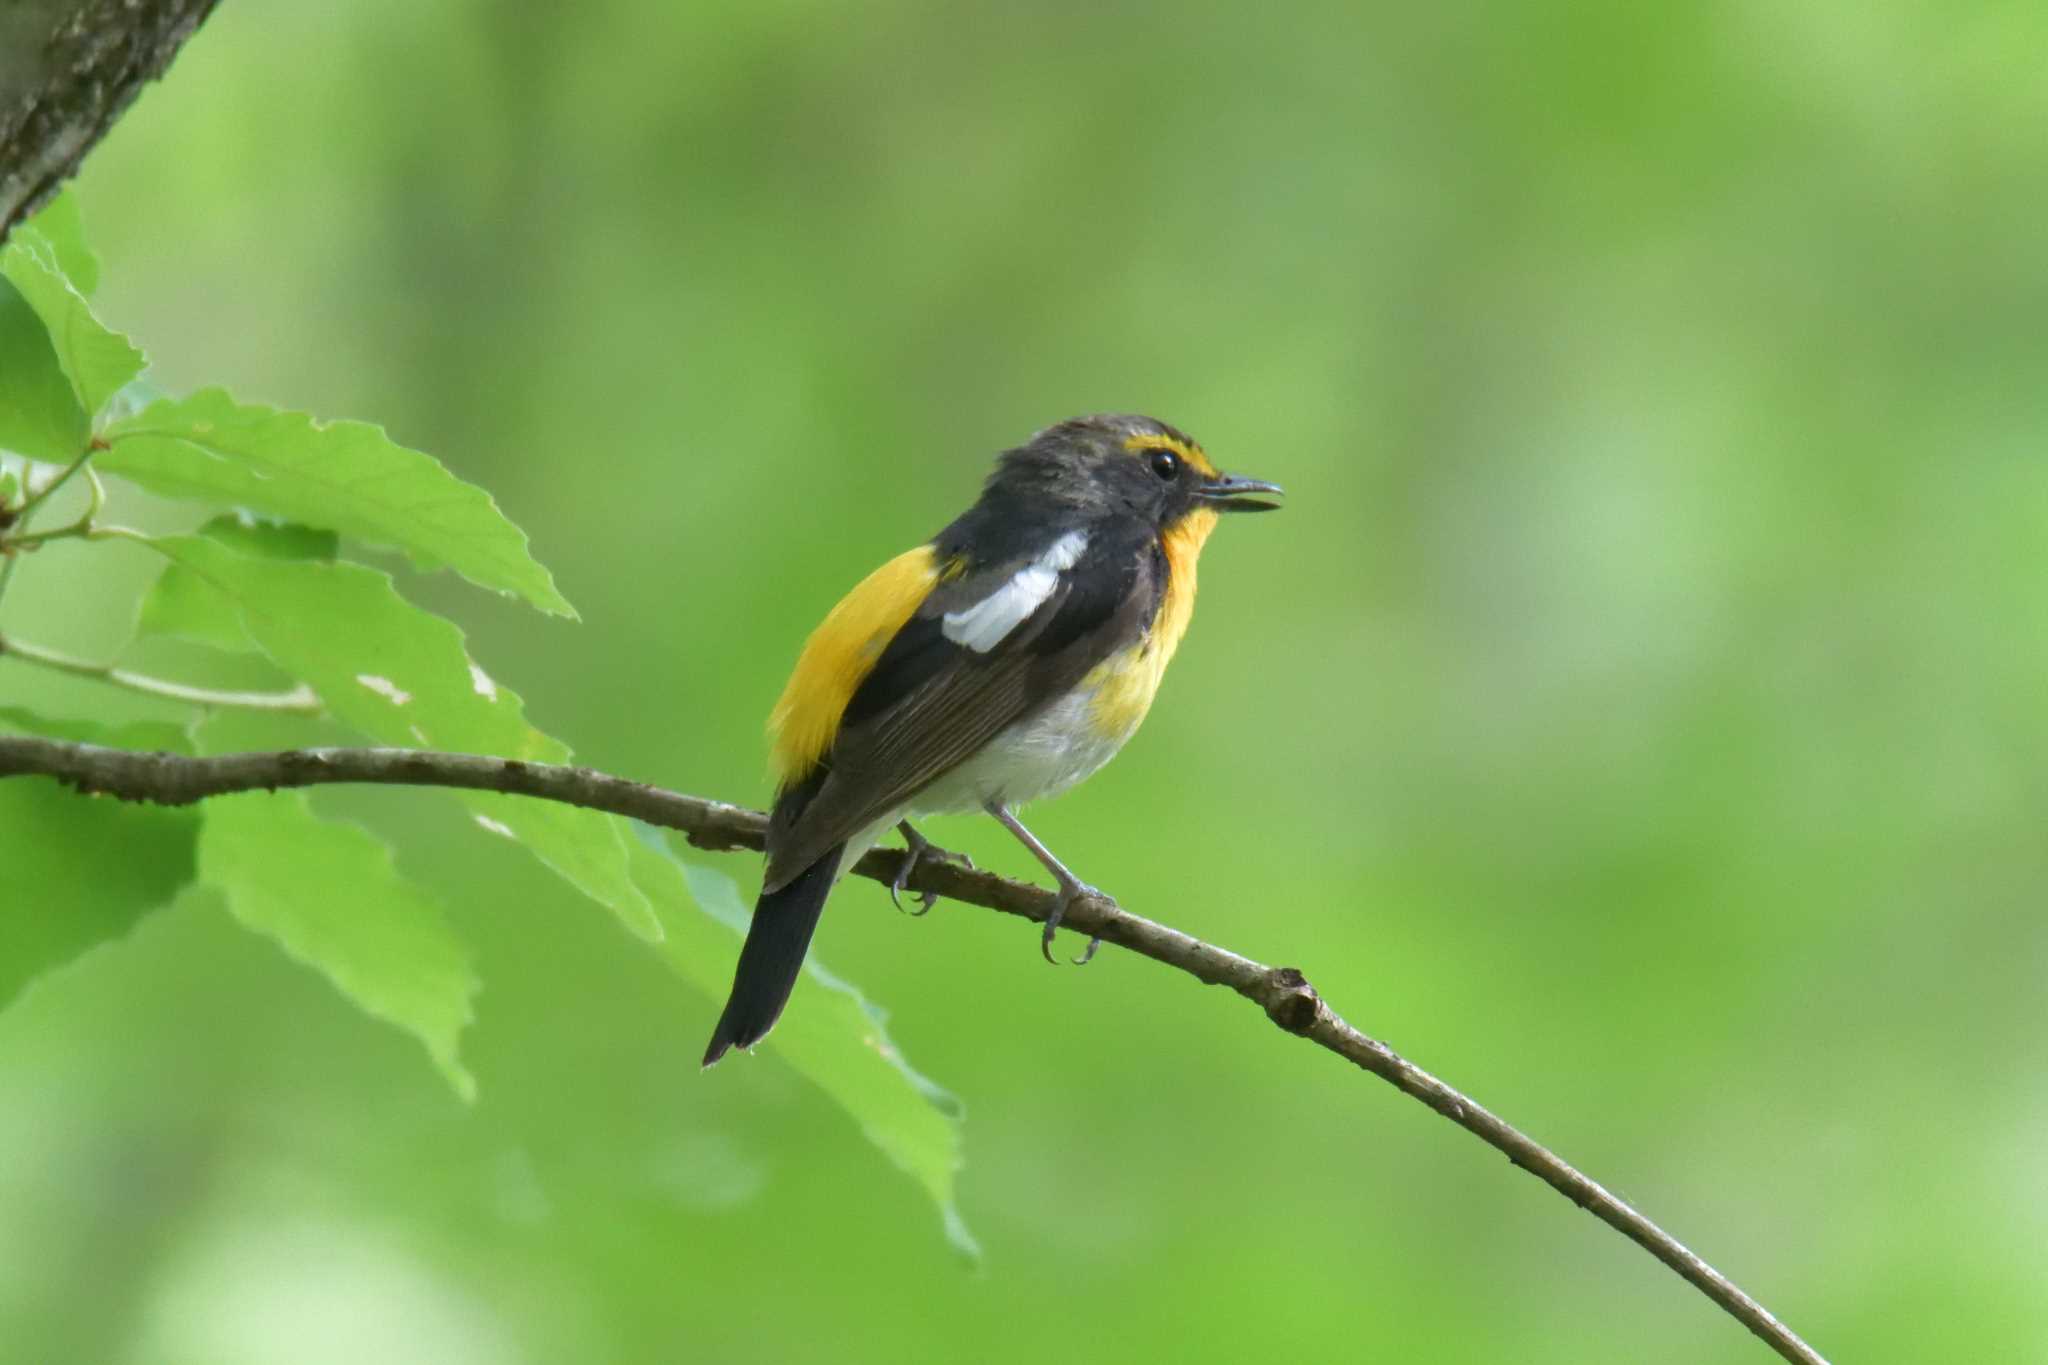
pixel 7 563
pixel 301 699
pixel 123 533
pixel 38 496
pixel 81 529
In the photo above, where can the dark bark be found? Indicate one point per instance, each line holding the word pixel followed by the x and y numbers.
pixel 68 69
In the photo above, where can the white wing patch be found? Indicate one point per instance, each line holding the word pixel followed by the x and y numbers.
pixel 983 626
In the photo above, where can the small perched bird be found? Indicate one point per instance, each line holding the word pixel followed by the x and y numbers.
pixel 1005 660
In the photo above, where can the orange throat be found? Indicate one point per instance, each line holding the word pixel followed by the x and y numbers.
pixel 1125 684
pixel 1183 541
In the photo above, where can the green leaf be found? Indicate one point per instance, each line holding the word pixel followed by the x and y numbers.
pixel 832 1034
pixel 149 736
pixel 328 894
pixel 78 871
pixel 97 361
pixel 59 225
pixel 182 604
pixel 402 675
pixel 346 475
pixel 39 412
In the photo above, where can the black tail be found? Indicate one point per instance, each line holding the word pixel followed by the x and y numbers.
pixel 784 921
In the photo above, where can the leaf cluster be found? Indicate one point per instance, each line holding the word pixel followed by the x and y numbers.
pixel 275 573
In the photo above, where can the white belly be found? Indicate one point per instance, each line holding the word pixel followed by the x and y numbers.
pixel 1042 756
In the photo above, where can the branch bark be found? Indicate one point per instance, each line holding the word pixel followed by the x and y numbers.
pixel 1283 993
pixel 68 69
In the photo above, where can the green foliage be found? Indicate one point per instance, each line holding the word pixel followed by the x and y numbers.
pixel 61 230
pixel 417 687
pixel 346 476
pixel 39 412
pixel 1637 714
pixel 96 361
pixel 80 872
pixel 182 604
pixel 328 894
pixel 838 1038
pixel 59 365
pixel 267 580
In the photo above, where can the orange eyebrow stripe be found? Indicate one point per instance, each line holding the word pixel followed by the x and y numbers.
pixel 1187 450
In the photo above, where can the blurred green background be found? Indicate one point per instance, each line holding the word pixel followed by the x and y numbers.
pixel 1637 716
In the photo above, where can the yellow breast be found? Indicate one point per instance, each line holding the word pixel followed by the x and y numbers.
pixel 1125 683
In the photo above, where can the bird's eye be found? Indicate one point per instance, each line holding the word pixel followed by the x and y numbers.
pixel 1165 464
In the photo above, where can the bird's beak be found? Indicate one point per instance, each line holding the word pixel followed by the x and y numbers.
pixel 1226 493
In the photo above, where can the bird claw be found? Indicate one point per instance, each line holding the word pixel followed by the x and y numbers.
pixel 917 849
pixel 1069 893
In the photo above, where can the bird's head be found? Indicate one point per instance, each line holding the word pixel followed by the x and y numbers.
pixel 1122 464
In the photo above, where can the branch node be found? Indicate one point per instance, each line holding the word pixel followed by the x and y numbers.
pixel 1290 1001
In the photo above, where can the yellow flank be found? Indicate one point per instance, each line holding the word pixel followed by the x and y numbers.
pixel 839 654
pixel 1187 450
pixel 1125 684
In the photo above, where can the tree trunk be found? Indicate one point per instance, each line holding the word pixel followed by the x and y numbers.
pixel 68 69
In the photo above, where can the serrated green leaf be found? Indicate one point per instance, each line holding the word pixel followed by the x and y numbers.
pixel 39 413
pixel 329 895
pixel 78 871
pixel 59 224
pixel 348 476
pixel 97 361
pixel 832 1034
pixel 183 605
pixel 272 539
pixel 402 676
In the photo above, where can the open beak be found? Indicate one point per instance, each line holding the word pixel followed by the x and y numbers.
pixel 1227 493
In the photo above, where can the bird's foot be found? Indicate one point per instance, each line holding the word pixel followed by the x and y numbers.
pixel 1071 890
pixel 919 849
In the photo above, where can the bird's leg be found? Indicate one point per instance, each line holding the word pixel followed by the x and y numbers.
pixel 919 849
pixel 1072 888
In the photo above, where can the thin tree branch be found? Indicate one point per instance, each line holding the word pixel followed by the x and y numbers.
pixel 301 699
pixel 1282 992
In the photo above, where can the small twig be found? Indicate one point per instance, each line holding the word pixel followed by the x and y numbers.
pixel 1282 992
pixel 9 561
pixel 301 698
pixel 98 491
pixel 37 496
pixel 18 522
pixel 82 529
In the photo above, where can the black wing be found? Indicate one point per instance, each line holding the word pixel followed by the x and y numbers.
pixel 930 703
